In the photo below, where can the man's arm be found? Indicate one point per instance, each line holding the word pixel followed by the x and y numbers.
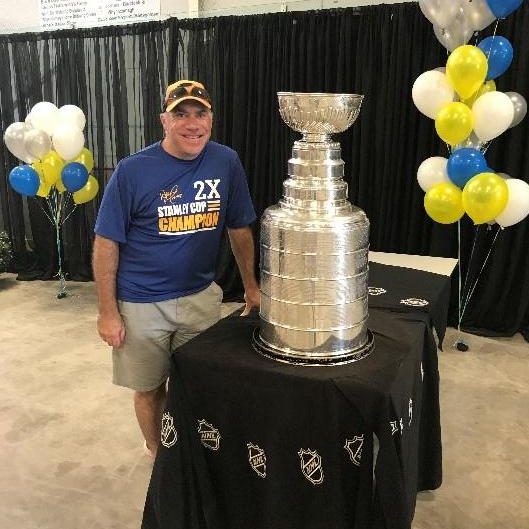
pixel 241 240
pixel 105 265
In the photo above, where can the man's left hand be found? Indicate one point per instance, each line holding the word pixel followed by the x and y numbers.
pixel 252 297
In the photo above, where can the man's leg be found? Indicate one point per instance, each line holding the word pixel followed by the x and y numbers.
pixel 149 406
pixel 142 363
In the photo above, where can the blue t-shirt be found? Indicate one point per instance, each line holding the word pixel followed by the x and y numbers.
pixel 168 216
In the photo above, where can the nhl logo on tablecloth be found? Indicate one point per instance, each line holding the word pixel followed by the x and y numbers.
pixel 169 435
pixel 354 448
pixel 394 427
pixel 311 466
pixel 257 459
pixel 209 435
pixel 376 291
pixel 414 302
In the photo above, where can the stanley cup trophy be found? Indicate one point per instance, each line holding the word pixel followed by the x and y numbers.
pixel 314 245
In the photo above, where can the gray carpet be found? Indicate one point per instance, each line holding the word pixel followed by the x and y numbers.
pixel 71 453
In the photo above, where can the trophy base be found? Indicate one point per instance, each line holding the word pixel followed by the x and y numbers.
pixel 306 359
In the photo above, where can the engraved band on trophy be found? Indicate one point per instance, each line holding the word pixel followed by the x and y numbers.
pixel 314 245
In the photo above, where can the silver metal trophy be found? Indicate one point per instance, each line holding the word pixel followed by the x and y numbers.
pixel 314 245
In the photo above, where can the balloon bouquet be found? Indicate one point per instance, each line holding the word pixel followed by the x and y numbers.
pixel 469 112
pixel 57 165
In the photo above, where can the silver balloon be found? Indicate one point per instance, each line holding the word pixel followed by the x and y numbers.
pixel 472 142
pixel 477 14
pixel 14 140
pixel 520 107
pixel 37 143
pixel 440 12
pixel 454 35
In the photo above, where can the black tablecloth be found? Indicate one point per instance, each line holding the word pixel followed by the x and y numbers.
pixel 408 290
pixel 307 431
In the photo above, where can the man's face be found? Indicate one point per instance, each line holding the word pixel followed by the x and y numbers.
pixel 187 129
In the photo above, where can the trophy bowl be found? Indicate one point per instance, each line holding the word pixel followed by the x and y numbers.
pixel 314 113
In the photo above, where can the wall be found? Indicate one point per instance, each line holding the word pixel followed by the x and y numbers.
pixel 17 16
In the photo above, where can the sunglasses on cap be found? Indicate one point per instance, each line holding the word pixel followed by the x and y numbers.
pixel 187 90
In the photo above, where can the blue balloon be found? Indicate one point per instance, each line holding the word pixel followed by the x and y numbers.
pixel 499 53
pixel 24 180
pixel 74 176
pixel 465 163
pixel 503 8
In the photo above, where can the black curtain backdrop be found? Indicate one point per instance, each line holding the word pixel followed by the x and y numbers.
pixel 118 75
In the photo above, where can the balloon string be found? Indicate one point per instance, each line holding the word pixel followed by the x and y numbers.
pixel 43 210
pixel 49 202
pixel 494 34
pixel 478 277
pixel 59 253
pixel 69 214
pixel 467 276
pixel 55 205
pixel 459 278
pixel 485 147
pixel 59 209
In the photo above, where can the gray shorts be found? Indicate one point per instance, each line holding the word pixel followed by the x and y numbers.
pixel 154 330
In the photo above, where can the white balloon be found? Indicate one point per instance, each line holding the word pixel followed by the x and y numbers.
pixel 454 35
pixel 517 207
pixel 477 14
pixel 72 114
pixel 44 116
pixel 493 114
pixel 68 141
pixel 37 143
pixel 431 92
pixel 27 121
pixel 440 12
pixel 505 176
pixel 431 172
pixel 14 139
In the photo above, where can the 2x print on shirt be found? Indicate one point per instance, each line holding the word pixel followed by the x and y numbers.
pixel 176 217
pixel 168 215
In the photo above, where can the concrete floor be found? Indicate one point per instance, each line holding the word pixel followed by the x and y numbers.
pixel 71 454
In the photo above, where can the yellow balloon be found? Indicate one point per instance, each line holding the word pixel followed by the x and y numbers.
pixel 59 185
pixel 466 70
pixel 443 203
pixel 454 123
pixel 86 158
pixel 39 169
pixel 485 197
pixel 52 165
pixel 489 86
pixel 44 189
pixel 88 192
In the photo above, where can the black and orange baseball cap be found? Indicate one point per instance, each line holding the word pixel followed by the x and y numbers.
pixel 185 90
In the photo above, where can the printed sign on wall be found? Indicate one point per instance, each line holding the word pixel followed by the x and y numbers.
pixel 64 14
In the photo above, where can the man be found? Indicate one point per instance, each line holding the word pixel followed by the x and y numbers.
pixel 158 232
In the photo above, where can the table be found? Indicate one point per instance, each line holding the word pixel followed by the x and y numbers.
pixel 400 289
pixel 250 443
pixel 436 265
